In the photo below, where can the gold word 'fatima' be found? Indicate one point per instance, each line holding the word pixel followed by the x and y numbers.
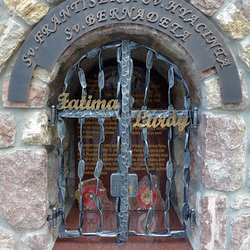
pixel 83 104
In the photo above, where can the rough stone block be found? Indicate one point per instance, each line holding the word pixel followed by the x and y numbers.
pixel 37 96
pixel 46 75
pixel 53 169
pixel 6 239
pixel 232 22
pixel 244 7
pixel 211 221
pixel 207 7
pixel 23 178
pixel 40 240
pixel 7 130
pixel 213 95
pixel 244 53
pixel 31 11
pixel 221 151
pixel 240 228
pixel 11 36
pixel 52 1
pixel 241 201
pixel 36 130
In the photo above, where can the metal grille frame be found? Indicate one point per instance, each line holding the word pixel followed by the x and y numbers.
pixel 124 153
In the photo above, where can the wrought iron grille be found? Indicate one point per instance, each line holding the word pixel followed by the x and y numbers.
pixel 124 114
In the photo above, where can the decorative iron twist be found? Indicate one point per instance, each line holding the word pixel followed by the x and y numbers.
pixel 124 129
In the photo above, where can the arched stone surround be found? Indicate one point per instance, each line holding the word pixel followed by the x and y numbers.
pixel 219 189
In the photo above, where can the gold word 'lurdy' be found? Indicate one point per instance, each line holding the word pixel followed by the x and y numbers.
pixel 162 122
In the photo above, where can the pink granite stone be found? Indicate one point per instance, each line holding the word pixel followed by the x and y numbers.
pixel 37 96
pixel 240 232
pixel 23 198
pixel 207 7
pixel 211 221
pixel 221 152
pixel 7 130
pixel 40 240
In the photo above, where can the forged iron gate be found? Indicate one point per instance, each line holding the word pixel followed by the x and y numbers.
pixel 124 113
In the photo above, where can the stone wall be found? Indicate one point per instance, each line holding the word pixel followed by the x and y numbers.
pixel 220 173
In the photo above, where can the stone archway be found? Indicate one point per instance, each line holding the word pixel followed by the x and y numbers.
pixel 224 198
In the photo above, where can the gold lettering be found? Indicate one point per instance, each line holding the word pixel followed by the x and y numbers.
pixel 82 102
pixel 183 124
pixel 115 107
pixel 154 123
pixel 73 104
pixel 65 103
pixel 88 104
pixel 139 118
pixel 99 104
pixel 63 100
pixel 112 104
pixel 162 122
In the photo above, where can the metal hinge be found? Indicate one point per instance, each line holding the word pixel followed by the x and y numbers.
pixel 194 117
pixel 54 215
pixel 52 118
pixel 192 217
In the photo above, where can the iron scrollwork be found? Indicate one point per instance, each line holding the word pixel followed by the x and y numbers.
pixel 124 152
